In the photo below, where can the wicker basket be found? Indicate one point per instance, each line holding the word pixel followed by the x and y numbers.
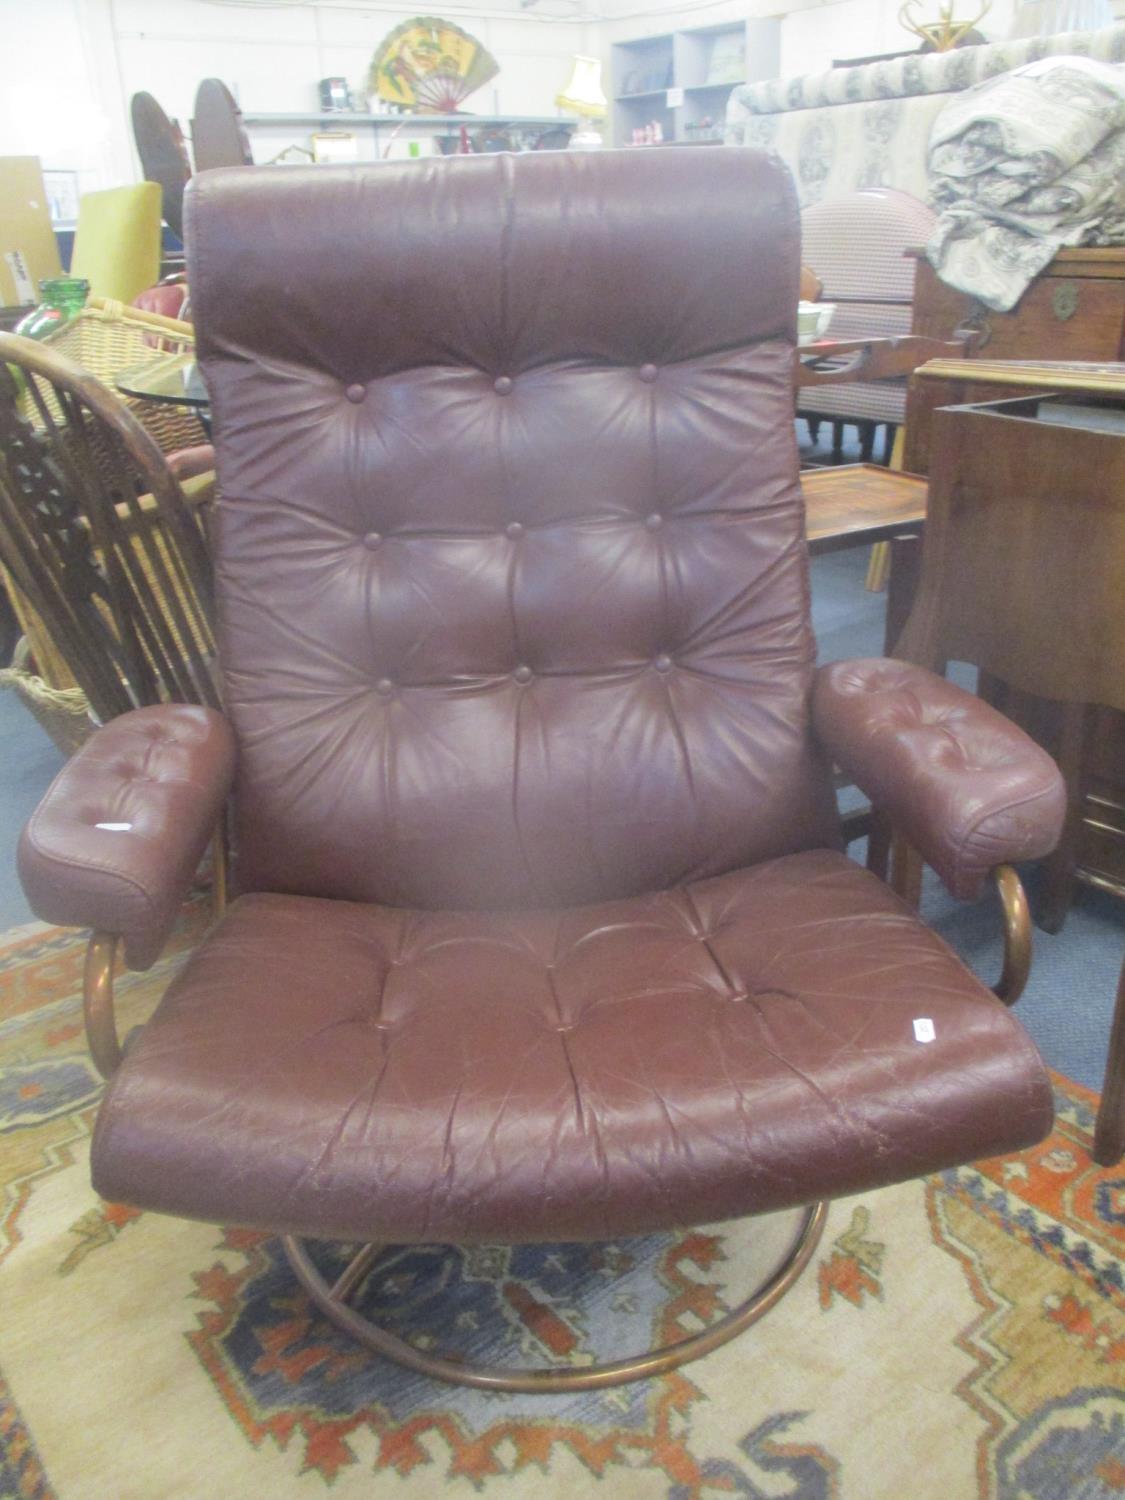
pixel 107 338
pixel 63 712
pixel 35 647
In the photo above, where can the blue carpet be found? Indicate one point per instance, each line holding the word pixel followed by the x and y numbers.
pixel 1069 999
pixel 30 761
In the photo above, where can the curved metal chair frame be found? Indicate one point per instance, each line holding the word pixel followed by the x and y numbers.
pixel 333 1298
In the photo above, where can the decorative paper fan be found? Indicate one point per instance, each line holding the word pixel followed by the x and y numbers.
pixel 429 65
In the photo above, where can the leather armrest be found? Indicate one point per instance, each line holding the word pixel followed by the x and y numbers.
pixel 117 839
pixel 189 463
pixel 962 783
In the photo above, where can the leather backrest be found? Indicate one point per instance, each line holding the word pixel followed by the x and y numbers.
pixel 512 579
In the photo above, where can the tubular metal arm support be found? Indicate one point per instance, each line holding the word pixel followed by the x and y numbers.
pixel 101 959
pixel 1017 935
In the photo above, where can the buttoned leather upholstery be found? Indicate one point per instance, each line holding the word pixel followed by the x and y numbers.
pixel 944 765
pixel 544 933
pixel 737 1045
pixel 513 592
pixel 120 834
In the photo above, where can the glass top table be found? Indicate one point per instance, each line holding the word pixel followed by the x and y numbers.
pixel 170 378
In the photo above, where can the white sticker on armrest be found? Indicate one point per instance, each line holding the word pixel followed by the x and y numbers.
pixel 924 1029
pixel 125 827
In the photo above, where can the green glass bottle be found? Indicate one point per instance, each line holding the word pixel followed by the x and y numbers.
pixel 64 297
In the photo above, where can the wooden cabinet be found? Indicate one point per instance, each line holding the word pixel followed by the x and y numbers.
pixel 1074 310
pixel 1023 575
pixel 1101 837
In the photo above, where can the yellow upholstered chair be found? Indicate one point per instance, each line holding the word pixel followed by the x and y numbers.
pixel 117 241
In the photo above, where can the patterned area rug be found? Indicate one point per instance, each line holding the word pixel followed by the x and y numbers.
pixel 955 1338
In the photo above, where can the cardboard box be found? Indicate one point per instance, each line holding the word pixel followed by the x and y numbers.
pixel 29 251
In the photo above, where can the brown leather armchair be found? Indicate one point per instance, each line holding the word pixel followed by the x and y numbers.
pixel 544 928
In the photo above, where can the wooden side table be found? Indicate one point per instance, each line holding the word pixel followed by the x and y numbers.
pixel 852 505
pixel 1109 1135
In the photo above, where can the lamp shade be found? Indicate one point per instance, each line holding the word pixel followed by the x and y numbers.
pixel 583 94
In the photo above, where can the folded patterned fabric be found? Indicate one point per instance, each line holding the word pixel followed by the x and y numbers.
pixel 1022 166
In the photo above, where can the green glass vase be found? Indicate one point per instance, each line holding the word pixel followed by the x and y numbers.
pixel 64 297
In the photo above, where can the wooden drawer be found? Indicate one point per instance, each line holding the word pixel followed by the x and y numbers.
pixel 1101 838
pixel 1058 319
pixel 1101 849
pixel 1074 310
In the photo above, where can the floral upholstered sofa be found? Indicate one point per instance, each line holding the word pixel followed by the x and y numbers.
pixel 852 129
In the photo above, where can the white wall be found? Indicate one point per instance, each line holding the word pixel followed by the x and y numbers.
pixel 61 96
pixel 813 32
pixel 73 110
pixel 812 38
pixel 272 57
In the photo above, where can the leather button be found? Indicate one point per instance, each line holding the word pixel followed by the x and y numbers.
pixel 356 393
pixel 663 663
pixel 502 385
pixel 514 529
pixel 384 686
pixel 523 674
pixel 373 539
pixel 647 373
pixel 654 522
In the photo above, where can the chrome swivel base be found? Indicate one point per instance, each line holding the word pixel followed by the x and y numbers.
pixel 333 1303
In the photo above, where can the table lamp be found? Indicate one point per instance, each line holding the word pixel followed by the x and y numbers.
pixel 583 96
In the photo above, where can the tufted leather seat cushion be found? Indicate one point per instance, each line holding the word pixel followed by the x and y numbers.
pixel 737 1045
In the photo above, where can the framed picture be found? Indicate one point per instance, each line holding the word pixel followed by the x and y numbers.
pixel 62 195
pixel 334 145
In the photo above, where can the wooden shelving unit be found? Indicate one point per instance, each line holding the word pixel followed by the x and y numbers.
pixel 681 80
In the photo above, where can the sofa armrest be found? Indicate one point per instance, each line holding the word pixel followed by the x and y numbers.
pixel 962 783
pixel 116 841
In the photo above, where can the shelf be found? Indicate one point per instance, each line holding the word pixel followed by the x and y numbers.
pixel 692 88
pixel 646 43
pixel 687 61
pixel 332 117
pixel 702 33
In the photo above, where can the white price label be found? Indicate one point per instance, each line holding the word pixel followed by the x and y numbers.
pixel 25 286
pixel 674 98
